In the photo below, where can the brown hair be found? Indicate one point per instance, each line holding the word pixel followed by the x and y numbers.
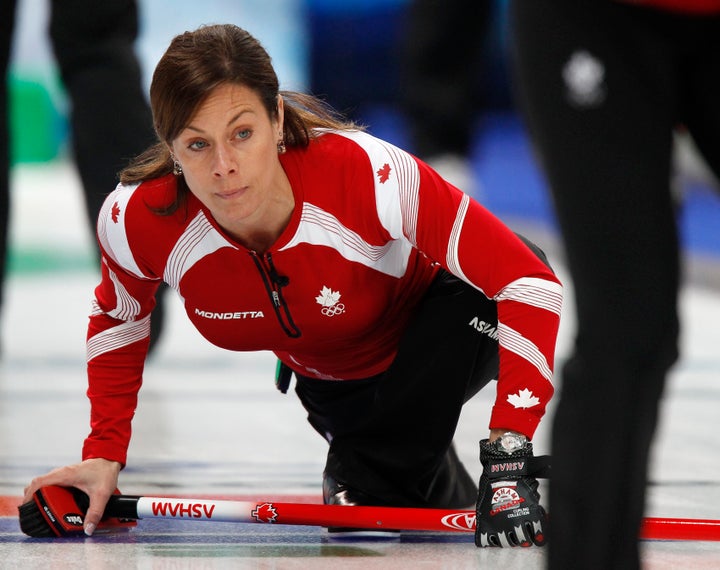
pixel 194 65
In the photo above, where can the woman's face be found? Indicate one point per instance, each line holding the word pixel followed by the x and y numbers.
pixel 228 153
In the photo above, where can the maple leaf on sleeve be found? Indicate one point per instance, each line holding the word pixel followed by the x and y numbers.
pixel 115 212
pixel 384 173
pixel 523 399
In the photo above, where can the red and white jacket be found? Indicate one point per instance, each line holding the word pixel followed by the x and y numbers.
pixel 371 227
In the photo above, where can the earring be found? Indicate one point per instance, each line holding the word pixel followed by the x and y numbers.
pixel 281 148
pixel 177 167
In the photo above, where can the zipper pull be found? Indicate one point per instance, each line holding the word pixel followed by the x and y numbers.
pixel 276 298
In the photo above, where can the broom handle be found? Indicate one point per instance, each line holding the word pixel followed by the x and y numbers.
pixel 364 517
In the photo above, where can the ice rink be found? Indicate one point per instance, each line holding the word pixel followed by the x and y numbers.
pixel 211 423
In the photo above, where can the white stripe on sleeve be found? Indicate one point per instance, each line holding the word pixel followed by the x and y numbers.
pixel 515 342
pixel 117 337
pixel 533 291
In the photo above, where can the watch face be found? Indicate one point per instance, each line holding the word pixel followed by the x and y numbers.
pixel 511 441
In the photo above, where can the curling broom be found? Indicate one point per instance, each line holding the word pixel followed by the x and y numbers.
pixel 59 511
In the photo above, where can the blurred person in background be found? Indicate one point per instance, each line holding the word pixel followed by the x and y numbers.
pixel 440 70
pixel 93 42
pixel 603 85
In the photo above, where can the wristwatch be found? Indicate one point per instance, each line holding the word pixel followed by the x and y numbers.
pixel 510 441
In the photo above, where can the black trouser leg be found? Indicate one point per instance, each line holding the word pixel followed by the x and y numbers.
pixel 606 149
pixel 442 45
pixel 390 436
pixel 94 44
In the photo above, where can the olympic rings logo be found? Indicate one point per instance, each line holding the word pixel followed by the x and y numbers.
pixel 331 311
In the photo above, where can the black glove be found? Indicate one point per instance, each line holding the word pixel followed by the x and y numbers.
pixel 508 508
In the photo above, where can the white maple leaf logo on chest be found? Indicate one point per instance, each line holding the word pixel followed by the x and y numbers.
pixel 328 297
pixel 523 399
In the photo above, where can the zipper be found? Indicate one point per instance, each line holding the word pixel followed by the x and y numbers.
pixel 274 282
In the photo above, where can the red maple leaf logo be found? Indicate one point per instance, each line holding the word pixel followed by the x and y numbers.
pixel 265 512
pixel 384 173
pixel 115 212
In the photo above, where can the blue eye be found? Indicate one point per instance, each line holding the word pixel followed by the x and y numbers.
pixel 197 145
pixel 243 134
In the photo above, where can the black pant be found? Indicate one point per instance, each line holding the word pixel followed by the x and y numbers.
pixel 441 52
pixel 390 435
pixel 602 85
pixel 93 43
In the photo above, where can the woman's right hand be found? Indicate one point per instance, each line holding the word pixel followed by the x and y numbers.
pixel 98 478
